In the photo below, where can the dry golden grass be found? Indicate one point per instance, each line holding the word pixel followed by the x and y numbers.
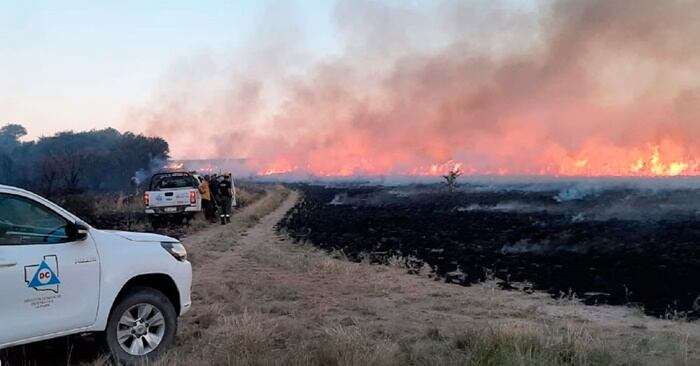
pixel 260 300
pixel 252 339
pixel 247 193
pixel 120 202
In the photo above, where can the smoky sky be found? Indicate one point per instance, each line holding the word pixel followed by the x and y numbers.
pixel 495 86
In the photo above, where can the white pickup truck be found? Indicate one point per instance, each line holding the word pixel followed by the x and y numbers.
pixel 174 196
pixel 59 276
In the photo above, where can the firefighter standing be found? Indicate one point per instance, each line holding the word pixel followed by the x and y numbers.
pixel 206 199
pixel 226 193
pixel 215 198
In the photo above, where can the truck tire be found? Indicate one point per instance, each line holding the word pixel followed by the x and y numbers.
pixel 141 326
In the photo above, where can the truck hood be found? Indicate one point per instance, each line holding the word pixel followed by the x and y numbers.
pixel 142 237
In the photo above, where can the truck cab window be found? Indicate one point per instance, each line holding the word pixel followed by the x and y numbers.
pixel 173 182
pixel 26 222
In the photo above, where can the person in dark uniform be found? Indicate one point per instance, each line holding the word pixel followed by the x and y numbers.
pixel 214 190
pixel 226 194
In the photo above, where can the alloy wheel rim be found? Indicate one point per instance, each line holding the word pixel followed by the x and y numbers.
pixel 140 329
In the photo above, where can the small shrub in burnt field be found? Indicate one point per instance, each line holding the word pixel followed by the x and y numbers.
pixel 451 179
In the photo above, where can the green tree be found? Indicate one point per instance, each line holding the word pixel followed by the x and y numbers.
pixel 13 131
pixel 9 141
pixel 96 160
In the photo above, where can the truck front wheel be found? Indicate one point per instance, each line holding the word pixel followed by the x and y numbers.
pixel 141 326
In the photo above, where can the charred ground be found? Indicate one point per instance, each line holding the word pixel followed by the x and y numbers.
pixel 614 246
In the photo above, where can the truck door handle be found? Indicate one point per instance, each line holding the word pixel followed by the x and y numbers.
pixel 4 263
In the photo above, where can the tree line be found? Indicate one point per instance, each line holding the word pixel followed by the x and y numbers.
pixel 73 162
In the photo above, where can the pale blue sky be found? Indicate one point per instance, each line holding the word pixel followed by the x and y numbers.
pixel 82 64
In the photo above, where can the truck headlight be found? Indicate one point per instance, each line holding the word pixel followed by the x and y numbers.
pixel 177 250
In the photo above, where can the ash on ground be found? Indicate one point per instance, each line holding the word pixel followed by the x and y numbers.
pixel 613 245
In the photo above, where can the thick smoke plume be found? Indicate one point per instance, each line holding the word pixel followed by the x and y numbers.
pixel 594 87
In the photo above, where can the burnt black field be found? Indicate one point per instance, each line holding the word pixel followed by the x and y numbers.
pixel 617 245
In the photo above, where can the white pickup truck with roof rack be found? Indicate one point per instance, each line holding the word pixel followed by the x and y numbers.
pixel 59 276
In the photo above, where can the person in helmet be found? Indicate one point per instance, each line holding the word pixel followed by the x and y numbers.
pixel 226 194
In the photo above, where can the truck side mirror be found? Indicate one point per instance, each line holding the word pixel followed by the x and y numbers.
pixel 79 231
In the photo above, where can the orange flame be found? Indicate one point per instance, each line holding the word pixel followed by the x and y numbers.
pixel 208 169
pixel 279 166
pixel 653 163
pixel 657 167
pixel 174 165
pixel 437 169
